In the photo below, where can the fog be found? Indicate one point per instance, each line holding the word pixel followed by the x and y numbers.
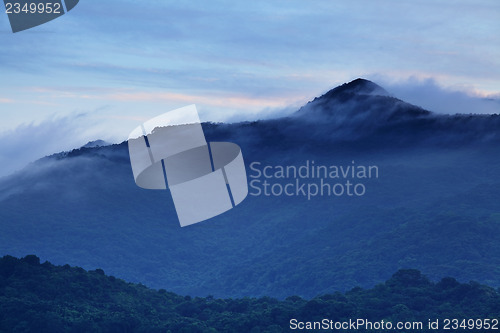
pixel 428 94
pixel 31 141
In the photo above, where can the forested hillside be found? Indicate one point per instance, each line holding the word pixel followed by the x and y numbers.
pixel 41 297
pixel 434 205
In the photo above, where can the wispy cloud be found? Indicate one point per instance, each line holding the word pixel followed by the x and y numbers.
pixel 427 93
pixel 31 141
pixel 226 101
pixel 235 59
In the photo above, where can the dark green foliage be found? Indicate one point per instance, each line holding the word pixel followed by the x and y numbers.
pixel 38 297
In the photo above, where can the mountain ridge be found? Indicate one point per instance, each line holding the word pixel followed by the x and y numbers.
pixel 356 86
pixel 434 208
pixel 360 99
pixel 361 115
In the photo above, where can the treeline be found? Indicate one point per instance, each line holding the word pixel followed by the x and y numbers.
pixel 41 297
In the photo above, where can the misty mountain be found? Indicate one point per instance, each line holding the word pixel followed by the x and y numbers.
pixel 359 100
pixel 434 205
pixel 360 114
pixel 96 143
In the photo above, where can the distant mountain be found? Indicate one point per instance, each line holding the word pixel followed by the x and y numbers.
pixel 357 87
pixel 359 100
pixel 96 143
pixel 434 207
pixel 46 298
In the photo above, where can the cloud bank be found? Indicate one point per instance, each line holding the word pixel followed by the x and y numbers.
pixel 428 94
pixel 29 142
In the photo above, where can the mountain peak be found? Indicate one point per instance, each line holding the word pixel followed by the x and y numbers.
pixel 359 101
pixel 359 87
pixel 96 143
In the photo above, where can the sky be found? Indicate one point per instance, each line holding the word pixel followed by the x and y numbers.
pixel 105 67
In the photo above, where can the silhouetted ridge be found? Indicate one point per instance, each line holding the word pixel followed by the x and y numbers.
pixel 96 143
pixel 358 86
pixel 362 102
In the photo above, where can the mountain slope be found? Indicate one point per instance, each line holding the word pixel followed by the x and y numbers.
pixel 433 207
pixel 359 100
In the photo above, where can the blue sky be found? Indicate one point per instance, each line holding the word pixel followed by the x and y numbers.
pixel 108 65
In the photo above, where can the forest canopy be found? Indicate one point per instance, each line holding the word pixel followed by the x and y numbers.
pixel 41 297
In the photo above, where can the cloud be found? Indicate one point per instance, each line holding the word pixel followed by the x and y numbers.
pixel 235 59
pixel 430 95
pixel 139 105
pixel 29 142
